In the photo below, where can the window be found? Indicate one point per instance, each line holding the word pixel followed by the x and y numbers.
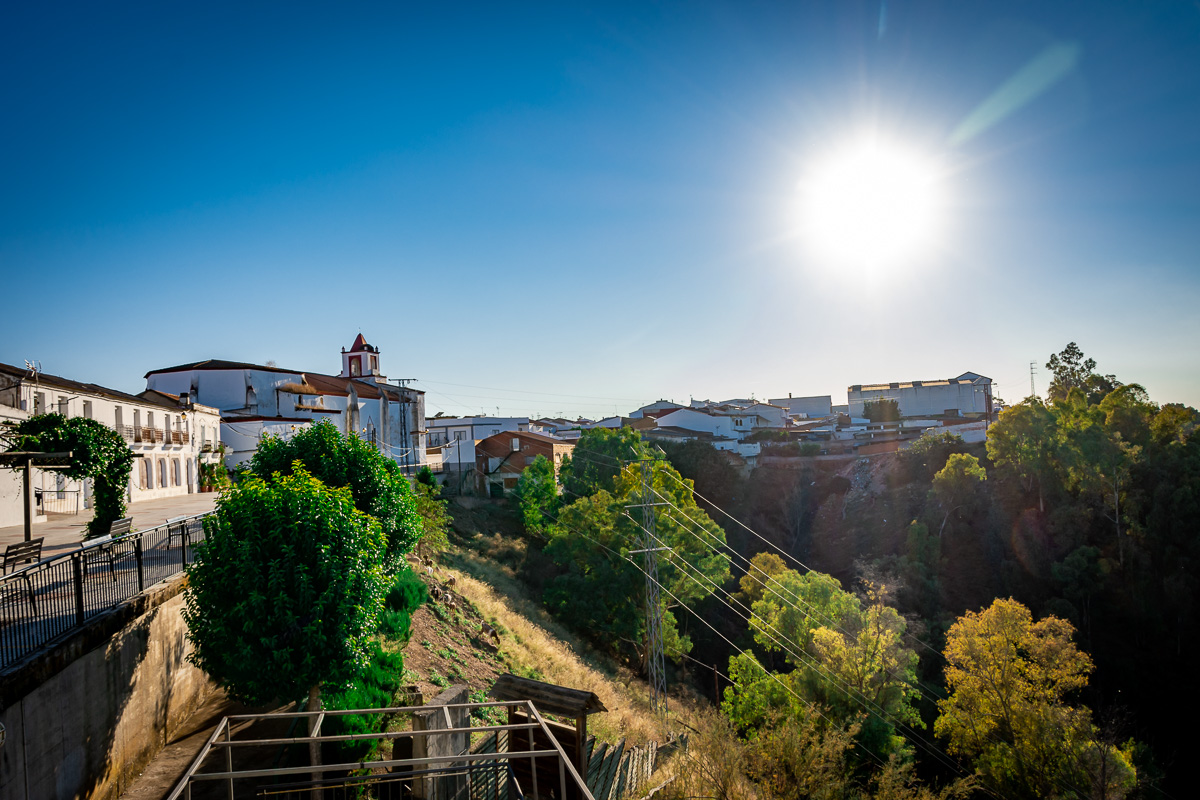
pixel 147 474
pixel 39 403
pixel 528 460
pixel 459 435
pixel 175 469
pixel 87 409
pixel 64 406
pixel 162 472
pixel 355 367
pixel 118 417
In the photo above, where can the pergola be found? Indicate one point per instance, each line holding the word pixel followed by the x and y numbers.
pixel 24 460
pixel 561 701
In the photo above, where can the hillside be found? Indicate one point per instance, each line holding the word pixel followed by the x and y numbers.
pixel 448 646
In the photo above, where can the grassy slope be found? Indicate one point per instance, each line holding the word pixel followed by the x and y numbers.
pixel 492 572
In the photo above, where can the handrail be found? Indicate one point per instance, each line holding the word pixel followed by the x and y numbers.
pixel 41 603
pixel 443 764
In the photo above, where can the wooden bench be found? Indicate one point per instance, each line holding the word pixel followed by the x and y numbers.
pixel 22 552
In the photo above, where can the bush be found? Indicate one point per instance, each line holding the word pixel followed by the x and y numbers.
pixel 374 687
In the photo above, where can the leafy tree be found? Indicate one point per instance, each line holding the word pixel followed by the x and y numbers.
pixel 715 477
pixel 97 452
pixel 376 482
pixel 922 559
pixel 1072 371
pixel 763 569
pixel 886 410
pixel 435 519
pixel 425 476
pixel 598 458
pixel 1009 680
pixel 285 588
pixel 847 658
pixel 602 591
pixel 537 494
pixel 957 485
pixel 1024 441
pixel 928 454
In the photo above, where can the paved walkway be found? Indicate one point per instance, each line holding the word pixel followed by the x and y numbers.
pixel 65 533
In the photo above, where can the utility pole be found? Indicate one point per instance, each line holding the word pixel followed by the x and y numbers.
pixel 656 672
pixel 1032 370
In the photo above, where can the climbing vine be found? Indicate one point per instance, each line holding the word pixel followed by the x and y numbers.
pixel 97 452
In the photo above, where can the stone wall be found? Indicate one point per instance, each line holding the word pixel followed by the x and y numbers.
pixel 83 719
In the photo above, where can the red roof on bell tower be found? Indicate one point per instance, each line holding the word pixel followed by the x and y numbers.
pixel 360 345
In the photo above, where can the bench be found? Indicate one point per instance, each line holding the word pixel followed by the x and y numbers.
pixel 22 552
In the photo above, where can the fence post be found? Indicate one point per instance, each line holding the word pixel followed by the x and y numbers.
pixel 77 568
pixel 137 552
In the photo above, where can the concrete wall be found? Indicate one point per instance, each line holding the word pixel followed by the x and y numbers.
pixel 83 723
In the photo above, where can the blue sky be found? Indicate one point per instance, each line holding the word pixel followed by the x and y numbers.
pixel 576 208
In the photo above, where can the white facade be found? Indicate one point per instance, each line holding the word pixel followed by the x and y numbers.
pixel 452 439
pixel 691 420
pixel 813 407
pixel 969 393
pixel 169 434
pixel 257 400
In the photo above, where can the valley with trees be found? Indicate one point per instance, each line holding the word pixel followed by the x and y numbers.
pixel 1011 619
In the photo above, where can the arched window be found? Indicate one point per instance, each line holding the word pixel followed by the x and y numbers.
pixel 162 472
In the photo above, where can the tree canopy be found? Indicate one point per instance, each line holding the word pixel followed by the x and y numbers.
pixel 599 456
pixel 1010 680
pixel 285 588
pixel 376 483
pixel 601 590
pixel 97 452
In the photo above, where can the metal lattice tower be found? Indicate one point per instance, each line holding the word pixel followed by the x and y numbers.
pixel 655 664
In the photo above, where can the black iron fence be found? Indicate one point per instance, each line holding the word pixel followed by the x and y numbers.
pixel 54 597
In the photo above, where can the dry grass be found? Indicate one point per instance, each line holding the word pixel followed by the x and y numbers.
pixel 535 645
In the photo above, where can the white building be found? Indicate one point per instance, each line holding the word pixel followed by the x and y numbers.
pixel 813 407
pixel 658 405
pixel 256 400
pixel 169 433
pixel 968 394
pixel 451 440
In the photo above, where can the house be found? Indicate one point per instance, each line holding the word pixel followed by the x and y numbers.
pixel 655 409
pixel 813 407
pixel 500 459
pixel 256 400
pixel 968 394
pixel 171 434
pixel 451 440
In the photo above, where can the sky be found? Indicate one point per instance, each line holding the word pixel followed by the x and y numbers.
pixel 575 209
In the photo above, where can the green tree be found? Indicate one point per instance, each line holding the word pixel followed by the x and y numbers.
pixel 925 456
pixel 602 591
pixel 376 482
pixel 957 486
pixel 537 494
pixel 285 589
pixel 1072 371
pixel 886 410
pixel 1009 680
pixel 97 452
pixel 435 519
pixel 847 657
pixel 714 475
pixel 762 570
pixel 1024 441
pixel 598 458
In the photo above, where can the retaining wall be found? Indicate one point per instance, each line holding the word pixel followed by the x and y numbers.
pixel 84 718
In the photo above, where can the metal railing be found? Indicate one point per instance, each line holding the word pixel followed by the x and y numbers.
pixel 243 757
pixel 54 597
pixel 57 501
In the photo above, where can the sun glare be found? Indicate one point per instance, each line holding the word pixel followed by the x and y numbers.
pixel 873 205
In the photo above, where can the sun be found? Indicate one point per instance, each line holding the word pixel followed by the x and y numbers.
pixel 873 205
